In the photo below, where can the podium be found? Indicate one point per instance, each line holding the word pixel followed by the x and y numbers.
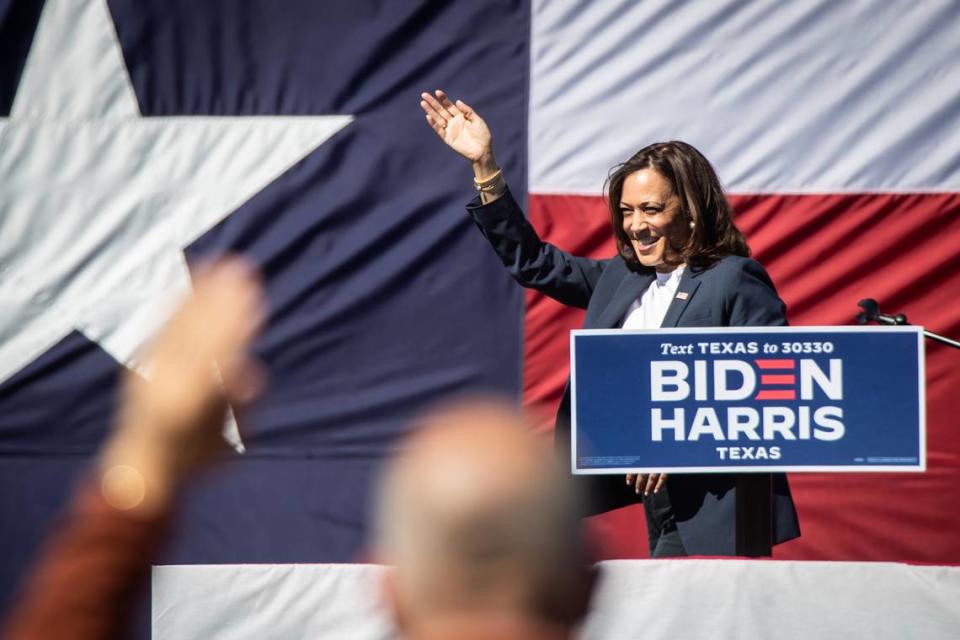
pixel 749 401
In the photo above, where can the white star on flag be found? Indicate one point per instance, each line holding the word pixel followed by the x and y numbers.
pixel 98 202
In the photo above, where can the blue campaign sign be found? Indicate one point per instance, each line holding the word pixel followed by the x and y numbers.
pixel 748 399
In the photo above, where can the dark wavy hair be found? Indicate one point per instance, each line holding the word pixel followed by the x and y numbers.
pixel 702 201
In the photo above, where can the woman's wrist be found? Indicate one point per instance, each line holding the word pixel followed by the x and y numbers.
pixel 484 167
pixel 488 178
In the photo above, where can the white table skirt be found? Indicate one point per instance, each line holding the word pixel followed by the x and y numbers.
pixel 647 599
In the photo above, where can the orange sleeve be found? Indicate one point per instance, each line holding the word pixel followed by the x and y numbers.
pixel 88 574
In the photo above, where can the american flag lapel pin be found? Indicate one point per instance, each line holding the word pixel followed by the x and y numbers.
pixel 682 295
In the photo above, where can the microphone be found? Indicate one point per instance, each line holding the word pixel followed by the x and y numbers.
pixel 871 313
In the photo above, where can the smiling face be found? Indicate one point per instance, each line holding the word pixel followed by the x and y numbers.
pixel 652 220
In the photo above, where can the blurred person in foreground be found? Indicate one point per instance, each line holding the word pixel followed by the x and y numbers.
pixel 482 532
pixel 681 262
pixel 88 575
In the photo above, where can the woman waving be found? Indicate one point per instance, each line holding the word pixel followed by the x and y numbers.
pixel 681 263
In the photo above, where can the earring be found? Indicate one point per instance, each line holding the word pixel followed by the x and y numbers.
pixel 692 225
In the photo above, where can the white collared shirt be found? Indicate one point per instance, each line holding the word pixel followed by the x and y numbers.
pixel 649 310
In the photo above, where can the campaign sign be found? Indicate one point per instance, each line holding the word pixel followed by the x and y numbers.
pixel 748 399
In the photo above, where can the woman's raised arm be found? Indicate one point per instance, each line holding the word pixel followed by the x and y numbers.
pixel 532 262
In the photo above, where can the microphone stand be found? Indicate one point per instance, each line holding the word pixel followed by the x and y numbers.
pixel 871 313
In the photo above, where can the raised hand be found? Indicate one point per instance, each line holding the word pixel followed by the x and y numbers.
pixel 460 128
pixel 170 425
pixel 199 361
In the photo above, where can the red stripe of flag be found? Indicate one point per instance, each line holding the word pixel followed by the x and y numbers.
pixel 817 292
pixel 778 379
pixel 776 364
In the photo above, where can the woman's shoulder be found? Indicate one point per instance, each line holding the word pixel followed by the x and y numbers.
pixel 732 273
pixel 733 265
pixel 733 262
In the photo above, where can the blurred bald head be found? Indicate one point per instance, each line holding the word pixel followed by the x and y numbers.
pixel 476 518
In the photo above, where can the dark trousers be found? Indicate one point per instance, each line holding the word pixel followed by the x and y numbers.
pixel 662 535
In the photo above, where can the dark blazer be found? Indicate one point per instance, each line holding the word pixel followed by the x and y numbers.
pixel 735 291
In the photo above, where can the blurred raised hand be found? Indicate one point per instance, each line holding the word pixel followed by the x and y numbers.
pixel 86 579
pixel 171 424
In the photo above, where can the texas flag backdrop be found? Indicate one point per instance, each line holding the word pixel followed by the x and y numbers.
pixel 139 136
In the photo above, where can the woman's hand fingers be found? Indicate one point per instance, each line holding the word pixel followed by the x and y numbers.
pixel 433 107
pixel 435 125
pixel 465 109
pixel 661 481
pixel 646 483
pixel 433 117
pixel 639 482
pixel 438 115
pixel 447 104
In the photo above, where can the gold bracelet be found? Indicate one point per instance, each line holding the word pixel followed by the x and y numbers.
pixel 489 183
